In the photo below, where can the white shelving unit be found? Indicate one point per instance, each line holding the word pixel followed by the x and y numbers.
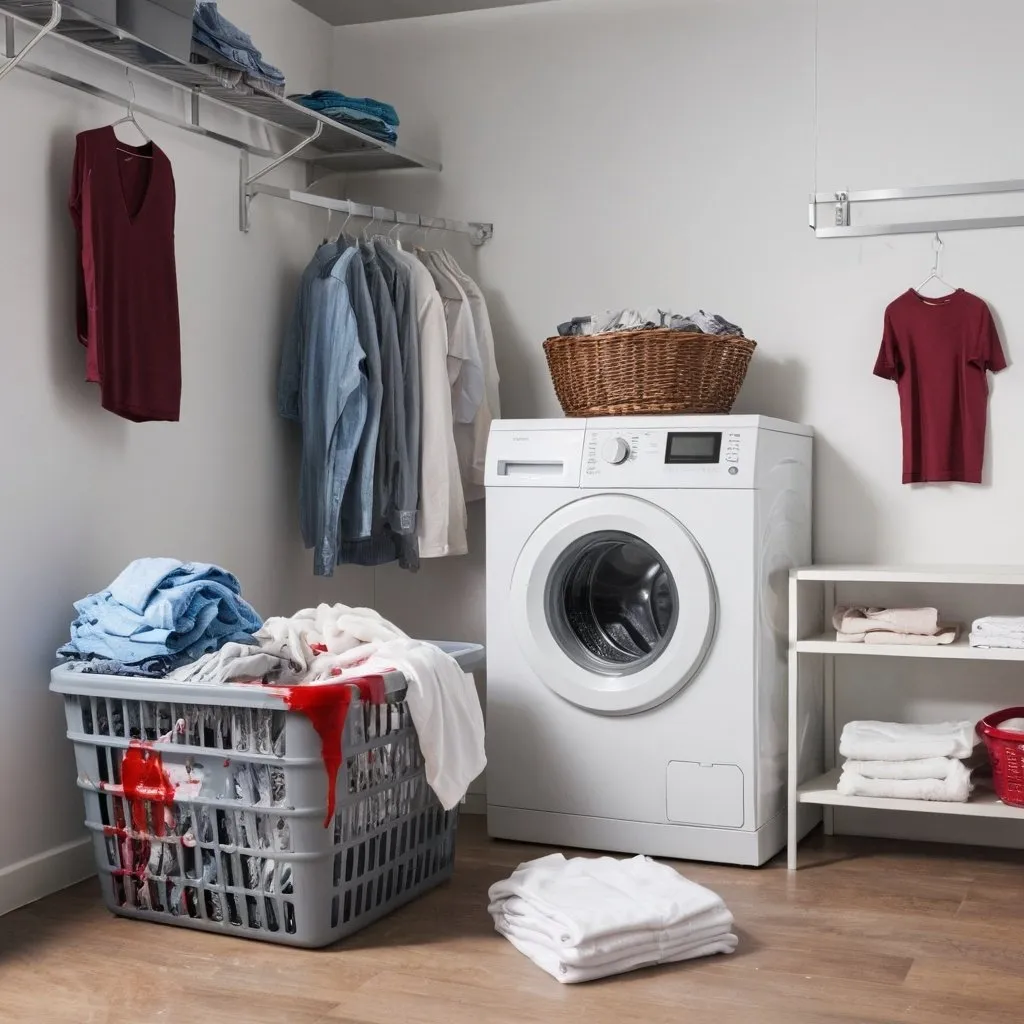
pixel 813 775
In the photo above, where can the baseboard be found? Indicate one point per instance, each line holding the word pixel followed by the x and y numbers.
pixel 45 873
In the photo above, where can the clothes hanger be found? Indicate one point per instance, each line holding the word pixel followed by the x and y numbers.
pixel 937 247
pixel 327 229
pixel 342 239
pixel 129 118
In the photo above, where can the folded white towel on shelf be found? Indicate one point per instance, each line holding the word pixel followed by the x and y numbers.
pixel 919 768
pixel 898 741
pixel 999 625
pixel 924 621
pixel 946 635
pixel 955 787
pixel 588 918
pixel 1007 641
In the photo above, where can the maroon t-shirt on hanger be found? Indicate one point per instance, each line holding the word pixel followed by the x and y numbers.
pixel 939 351
pixel 122 202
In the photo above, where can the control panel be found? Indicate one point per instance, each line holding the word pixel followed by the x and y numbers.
pixel 619 457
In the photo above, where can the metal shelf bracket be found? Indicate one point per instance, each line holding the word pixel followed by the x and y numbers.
pixel 16 58
pixel 247 180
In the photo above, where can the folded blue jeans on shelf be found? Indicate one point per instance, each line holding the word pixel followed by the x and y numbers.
pixel 211 29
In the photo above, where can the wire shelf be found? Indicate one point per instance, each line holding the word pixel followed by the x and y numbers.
pixel 343 148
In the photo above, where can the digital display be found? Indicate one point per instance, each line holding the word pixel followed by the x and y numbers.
pixel 693 448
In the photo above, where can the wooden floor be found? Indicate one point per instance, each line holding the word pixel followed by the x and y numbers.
pixel 867 932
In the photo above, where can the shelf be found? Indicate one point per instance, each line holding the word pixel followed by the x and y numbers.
pixel 965 575
pixel 959 650
pixel 983 803
pixel 338 147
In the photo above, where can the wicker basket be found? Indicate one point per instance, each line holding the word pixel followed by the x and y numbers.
pixel 657 371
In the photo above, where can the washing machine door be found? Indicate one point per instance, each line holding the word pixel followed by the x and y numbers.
pixel 613 604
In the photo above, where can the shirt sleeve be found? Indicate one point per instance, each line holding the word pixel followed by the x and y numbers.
pixel 75 208
pixel 989 351
pixel 888 363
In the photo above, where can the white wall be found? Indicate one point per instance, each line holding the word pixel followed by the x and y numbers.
pixel 85 492
pixel 661 152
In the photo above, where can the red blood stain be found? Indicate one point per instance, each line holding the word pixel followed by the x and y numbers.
pixel 144 780
pixel 318 648
pixel 326 706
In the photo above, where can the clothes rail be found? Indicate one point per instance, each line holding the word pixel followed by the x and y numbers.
pixel 842 201
pixel 478 232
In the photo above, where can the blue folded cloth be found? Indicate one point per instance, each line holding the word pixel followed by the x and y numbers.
pixel 372 126
pixel 324 99
pixel 211 29
pixel 158 614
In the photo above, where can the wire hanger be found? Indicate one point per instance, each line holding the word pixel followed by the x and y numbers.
pixel 327 229
pixel 129 118
pixel 937 247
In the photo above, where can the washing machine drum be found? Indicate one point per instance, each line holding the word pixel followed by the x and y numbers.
pixel 613 604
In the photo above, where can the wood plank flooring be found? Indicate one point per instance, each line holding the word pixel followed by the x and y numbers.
pixel 868 932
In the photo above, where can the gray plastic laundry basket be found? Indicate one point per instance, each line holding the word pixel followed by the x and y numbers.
pixel 208 804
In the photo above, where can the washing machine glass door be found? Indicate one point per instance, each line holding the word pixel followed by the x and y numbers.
pixel 614 604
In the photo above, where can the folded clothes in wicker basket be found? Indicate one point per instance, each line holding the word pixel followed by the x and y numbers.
pixel 646 320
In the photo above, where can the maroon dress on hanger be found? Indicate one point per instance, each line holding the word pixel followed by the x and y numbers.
pixel 122 202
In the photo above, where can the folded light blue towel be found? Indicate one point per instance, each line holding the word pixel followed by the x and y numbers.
pixel 323 99
pixel 160 608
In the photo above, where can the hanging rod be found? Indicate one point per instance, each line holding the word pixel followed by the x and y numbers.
pixel 478 233
pixel 841 201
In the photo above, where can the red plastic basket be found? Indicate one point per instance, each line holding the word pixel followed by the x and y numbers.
pixel 1006 752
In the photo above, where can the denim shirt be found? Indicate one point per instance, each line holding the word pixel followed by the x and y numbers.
pixel 391 457
pixel 324 386
pixel 358 505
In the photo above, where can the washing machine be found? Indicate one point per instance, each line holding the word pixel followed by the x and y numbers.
pixel 637 600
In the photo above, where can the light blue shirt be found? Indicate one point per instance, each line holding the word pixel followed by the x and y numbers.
pixel 323 384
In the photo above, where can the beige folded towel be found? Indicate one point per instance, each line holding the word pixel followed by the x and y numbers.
pixel 860 620
pixel 946 635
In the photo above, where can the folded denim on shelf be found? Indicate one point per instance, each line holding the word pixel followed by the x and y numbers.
pixel 211 29
pixel 322 99
pixel 372 126
pixel 233 75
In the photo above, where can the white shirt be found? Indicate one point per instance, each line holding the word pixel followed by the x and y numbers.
pixel 470 408
pixel 485 340
pixel 441 527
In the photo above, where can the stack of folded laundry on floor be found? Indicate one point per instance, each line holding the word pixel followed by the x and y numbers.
pixel 584 919
pixel 230 54
pixel 998 631
pixel 916 626
pixel 157 615
pixel 371 117
pixel 907 762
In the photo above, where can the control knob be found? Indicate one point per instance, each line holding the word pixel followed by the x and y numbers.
pixel 615 450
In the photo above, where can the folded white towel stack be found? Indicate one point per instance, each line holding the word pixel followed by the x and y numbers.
pixel 907 762
pixel 584 918
pixel 998 631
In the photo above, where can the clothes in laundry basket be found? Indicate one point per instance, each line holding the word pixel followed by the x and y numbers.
pixel 335 643
pixel 584 919
pixel 159 613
